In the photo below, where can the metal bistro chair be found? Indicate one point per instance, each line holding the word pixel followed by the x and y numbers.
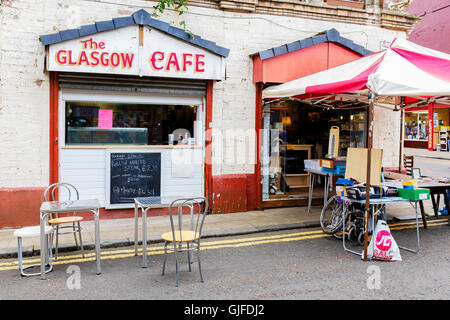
pixel 61 222
pixel 186 239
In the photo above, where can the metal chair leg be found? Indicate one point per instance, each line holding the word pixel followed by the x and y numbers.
pixel 199 264
pixel 75 234
pixel 176 267
pixel 165 257
pixel 81 241
pixel 50 250
pixel 56 246
pixel 19 254
pixel 189 257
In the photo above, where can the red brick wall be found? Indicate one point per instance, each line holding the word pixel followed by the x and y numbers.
pixel 20 206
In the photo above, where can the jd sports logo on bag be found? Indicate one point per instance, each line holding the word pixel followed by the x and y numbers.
pixel 383 240
pixel 382 245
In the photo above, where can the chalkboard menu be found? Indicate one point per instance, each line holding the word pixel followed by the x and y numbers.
pixel 134 175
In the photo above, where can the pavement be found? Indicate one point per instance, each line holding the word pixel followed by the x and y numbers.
pixel 120 232
pixel 424 153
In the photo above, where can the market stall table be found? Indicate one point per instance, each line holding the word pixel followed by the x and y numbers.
pixel 436 186
pixel 88 205
pixel 382 202
pixel 327 176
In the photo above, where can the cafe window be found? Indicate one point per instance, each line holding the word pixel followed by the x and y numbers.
pixel 131 124
pixel 416 125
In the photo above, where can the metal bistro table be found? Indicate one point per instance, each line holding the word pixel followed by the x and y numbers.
pixel 381 212
pixel 48 207
pixel 147 203
pixel 327 176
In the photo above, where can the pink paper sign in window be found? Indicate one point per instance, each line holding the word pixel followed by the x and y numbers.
pixel 105 119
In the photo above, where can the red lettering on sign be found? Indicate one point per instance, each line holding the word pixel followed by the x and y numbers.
pixel 153 60
pixel 104 61
pixel 90 44
pixel 199 63
pixel 114 59
pixel 71 63
pixel 430 127
pixel 172 61
pixel 94 58
pixel 177 61
pixel 127 60
pixel 59 59
pixel 186 61
pixel 83 58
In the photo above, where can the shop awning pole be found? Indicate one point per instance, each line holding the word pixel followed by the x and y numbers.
pixel 369 156
pixel 400 153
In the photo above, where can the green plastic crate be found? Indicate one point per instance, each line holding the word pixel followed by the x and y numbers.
pixel 414 194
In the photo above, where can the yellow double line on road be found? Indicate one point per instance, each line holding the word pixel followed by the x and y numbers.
pixel 205 245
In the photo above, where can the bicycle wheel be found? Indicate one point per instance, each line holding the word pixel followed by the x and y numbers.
pixel 331 215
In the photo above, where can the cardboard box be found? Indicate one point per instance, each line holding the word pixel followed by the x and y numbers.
pixel 332 163
pixel 414 194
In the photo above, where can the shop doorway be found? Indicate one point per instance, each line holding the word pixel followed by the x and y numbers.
pixel 296 131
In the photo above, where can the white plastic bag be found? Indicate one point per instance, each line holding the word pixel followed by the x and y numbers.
pixel 382 246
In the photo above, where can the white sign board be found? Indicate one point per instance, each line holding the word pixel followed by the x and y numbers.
pixel 118 52
pixel 105 52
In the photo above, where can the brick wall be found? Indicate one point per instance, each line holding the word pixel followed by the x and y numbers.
pixel 24 90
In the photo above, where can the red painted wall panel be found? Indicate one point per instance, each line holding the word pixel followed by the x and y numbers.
pixel 300 63
pixel 295 64
pixel 230 193
pixel 338 55
pixel 20 206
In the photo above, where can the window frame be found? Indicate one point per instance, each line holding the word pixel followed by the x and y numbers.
pixel 128 98
pixel 417 114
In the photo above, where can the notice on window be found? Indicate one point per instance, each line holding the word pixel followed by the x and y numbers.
pixel 105 119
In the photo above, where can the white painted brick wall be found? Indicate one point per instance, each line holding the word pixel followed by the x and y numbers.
pixel 386 128
pixel 24 87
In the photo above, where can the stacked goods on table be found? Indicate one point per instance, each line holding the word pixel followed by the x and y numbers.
pixel 334 165
pixel 354 187
pixel 407 190
pixel 359 192
pixel 313 164
pixel 410 191
pixel 354 190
